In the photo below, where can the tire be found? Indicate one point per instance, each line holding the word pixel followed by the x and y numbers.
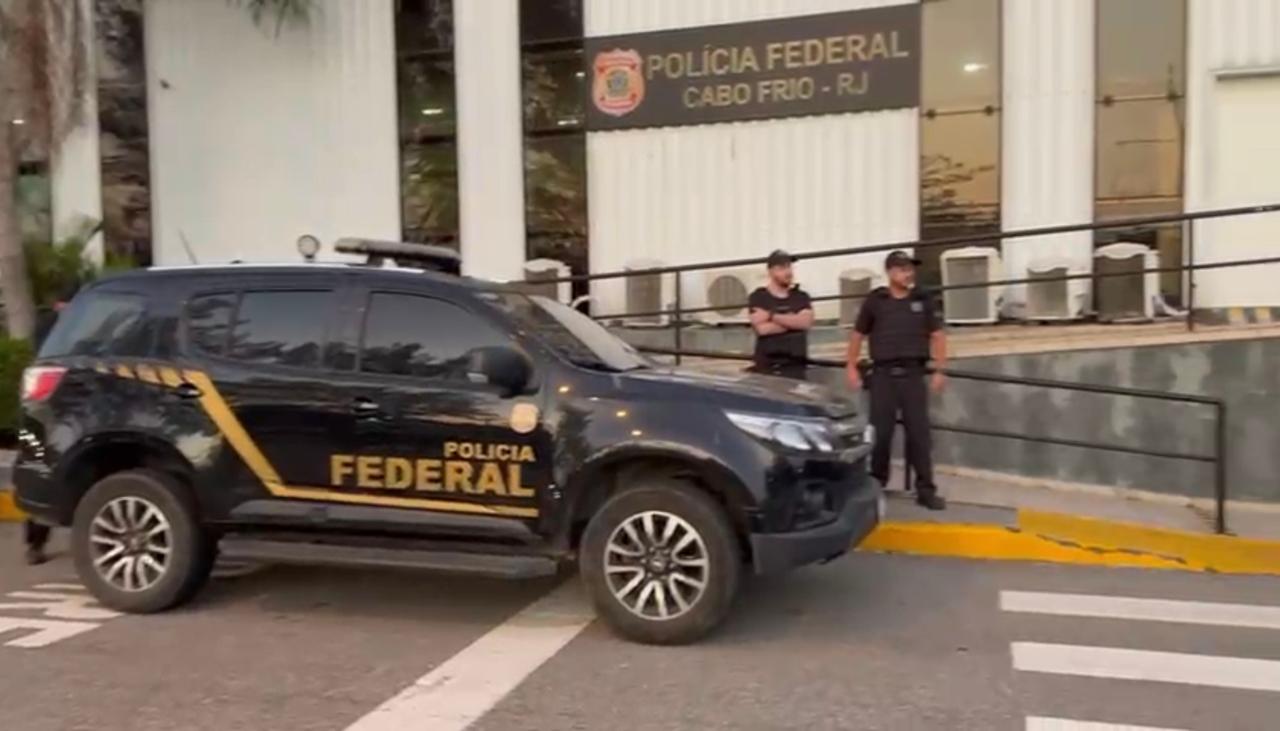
pixel 635 612
pixel 120 509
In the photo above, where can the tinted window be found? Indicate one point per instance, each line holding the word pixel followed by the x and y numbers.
pixel 281 328
pixel 418 336
pixel 208 321
pixel 575 336
pixel 101 323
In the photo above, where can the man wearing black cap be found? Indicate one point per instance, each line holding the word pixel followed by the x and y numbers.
pixel 781 315
pixel 905 335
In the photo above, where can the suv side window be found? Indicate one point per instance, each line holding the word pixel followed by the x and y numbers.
pixel 285 328
pixel 209 321
pixel 410 335
pixel 101 322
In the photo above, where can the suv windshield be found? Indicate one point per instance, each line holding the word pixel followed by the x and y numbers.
pixel 579 339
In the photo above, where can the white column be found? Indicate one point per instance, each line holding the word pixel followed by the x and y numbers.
pixel 1048 150
pixel 75 171
pixel 490 137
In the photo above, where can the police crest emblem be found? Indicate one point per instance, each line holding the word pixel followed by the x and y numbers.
pixel 617 86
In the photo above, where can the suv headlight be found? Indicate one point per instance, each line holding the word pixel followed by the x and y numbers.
pixel 804 435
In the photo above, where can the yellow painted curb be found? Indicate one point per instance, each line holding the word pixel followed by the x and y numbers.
pixel 8 511
pixel 1208 552
pixel 1000 543
pixel 1071 539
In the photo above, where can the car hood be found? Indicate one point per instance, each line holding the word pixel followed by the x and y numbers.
pixel 745 392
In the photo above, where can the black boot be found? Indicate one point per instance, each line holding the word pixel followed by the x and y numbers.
pixel 36 555
pixel 931 500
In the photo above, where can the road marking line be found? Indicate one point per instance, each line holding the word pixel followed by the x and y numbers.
pixel 1152 610
pixel 58 606
pixel 1160 667
pixel 45 632
pixel 1037 723
pixel 463 688
pixel 61 587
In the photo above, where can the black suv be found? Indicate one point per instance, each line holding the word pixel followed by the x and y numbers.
pixel 345 414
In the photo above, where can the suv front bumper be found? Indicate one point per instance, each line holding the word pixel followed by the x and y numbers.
pixel 777 552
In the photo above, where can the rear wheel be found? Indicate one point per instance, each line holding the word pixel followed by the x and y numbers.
pixel 661 562
pixel 136 543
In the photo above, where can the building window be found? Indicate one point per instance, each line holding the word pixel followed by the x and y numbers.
pixel 959 126
pixel 123 130
pixel 1141 84
pixel 555 154
pixel 428 121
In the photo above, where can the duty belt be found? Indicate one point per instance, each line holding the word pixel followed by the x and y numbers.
pixel 900 367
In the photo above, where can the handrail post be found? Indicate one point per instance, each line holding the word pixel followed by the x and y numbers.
pixel 677 321
pixel 1189 236
pixel 1220 468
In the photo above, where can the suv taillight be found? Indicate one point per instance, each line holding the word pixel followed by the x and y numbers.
pixel 39 382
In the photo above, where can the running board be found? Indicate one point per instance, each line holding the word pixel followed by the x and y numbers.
pixel 325 554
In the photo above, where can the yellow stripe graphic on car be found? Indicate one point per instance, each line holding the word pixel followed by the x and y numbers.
pixel 243 444
pixel 170 377
pixel 123 371
pixel 147 374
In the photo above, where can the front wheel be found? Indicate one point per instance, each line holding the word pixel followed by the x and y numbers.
pixel 661 562
pixel 136 543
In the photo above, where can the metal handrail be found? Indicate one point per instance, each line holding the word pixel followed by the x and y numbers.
pixel 974 285
pixel 934 243
pixel 1217 458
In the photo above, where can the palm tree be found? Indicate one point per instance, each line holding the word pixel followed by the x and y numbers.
pixel 44 77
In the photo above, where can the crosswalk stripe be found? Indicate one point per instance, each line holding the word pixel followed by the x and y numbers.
pixel 1162 667
pixel 1037 723
pixel 462 689
pixel 1154 610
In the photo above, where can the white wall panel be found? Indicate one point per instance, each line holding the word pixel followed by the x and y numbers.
pixel 1048 130
pixel 76 172
pixel 1227 38
pixel 682 195
pixel 257 138
pixel 490 138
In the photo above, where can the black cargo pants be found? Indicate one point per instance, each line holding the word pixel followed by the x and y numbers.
pixel 901 389
pixel 34 534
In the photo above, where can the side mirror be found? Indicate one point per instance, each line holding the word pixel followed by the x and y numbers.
pixel 505 368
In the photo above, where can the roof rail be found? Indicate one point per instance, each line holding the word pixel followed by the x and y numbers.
pixel 403 253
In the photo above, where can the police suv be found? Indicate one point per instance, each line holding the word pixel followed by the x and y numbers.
pixel 383 416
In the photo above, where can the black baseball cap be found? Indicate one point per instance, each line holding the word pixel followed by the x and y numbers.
pixel 779 258
pixel 900 258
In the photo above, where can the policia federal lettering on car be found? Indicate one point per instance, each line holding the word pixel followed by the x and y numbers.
pixel 467 468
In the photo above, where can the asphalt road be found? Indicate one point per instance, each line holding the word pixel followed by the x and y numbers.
pixel 868 642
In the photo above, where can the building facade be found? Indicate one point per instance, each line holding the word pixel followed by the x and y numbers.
pixel 608 134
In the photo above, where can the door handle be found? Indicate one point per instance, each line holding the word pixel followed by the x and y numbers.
pixel 364 407
pixel 187 391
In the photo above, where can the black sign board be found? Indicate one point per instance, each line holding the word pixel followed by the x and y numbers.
pixel 854 61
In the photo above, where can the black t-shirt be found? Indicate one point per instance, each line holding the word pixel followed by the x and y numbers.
pixel 898 329
pixel 786 348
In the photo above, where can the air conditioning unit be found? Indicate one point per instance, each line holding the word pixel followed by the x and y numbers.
pixel 727 292
pixel 648 293
pixel 1049 297
pixel 855 283
pixel 1128 294
pixel 537 272
pixel 972 265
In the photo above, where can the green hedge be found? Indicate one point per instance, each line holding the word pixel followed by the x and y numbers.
pixel 15 355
